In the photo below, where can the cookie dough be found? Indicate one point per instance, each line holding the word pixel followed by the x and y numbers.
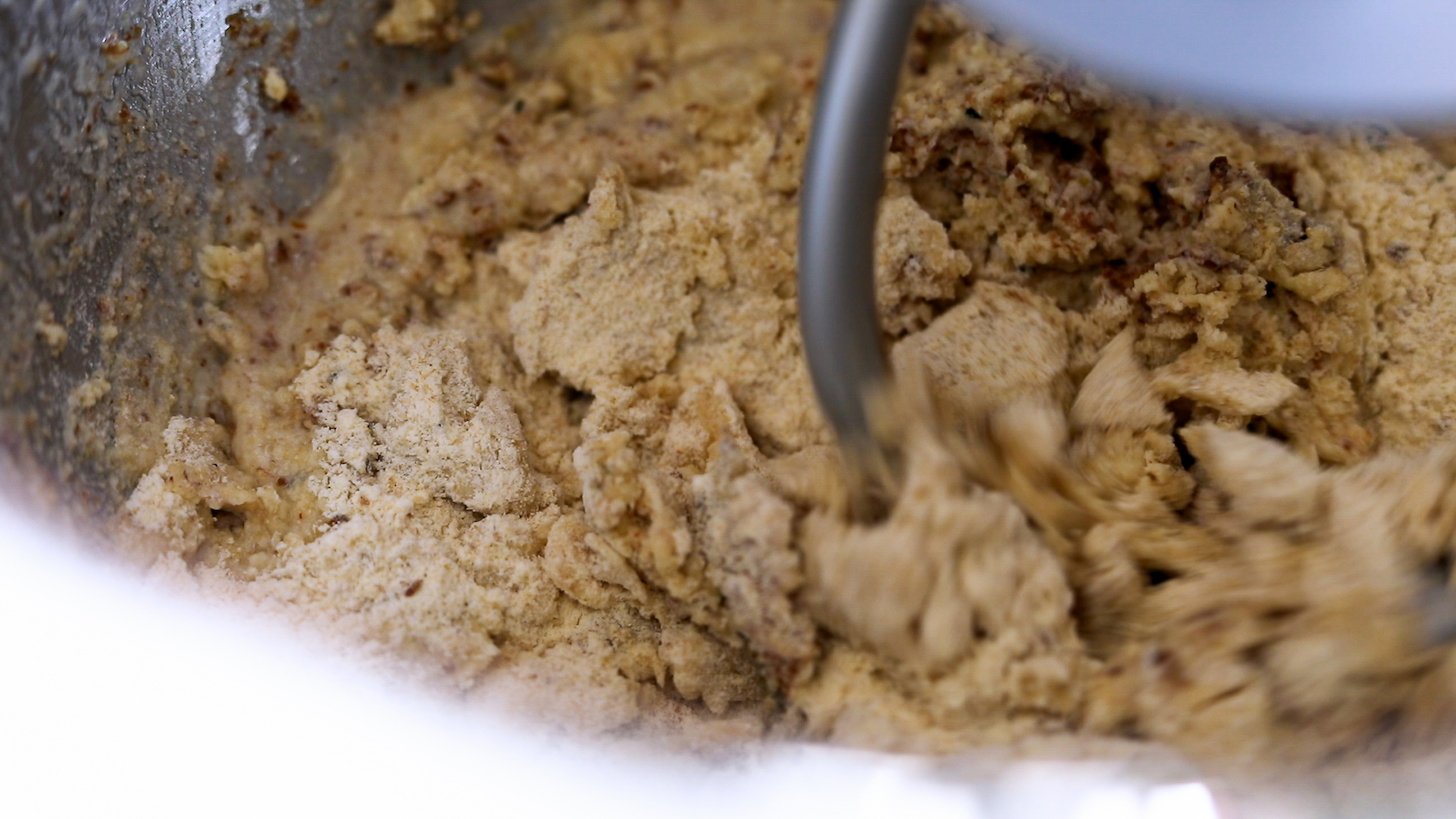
pixel 420 24
pixel 520 405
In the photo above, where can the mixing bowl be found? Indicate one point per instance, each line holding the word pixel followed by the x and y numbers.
pixel 129 132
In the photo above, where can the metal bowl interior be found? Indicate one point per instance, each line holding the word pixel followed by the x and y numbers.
pixel 129 133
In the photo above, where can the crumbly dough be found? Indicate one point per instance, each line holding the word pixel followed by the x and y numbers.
pixel 275 85
pixel 52 333
pixel 243 270
pixel 420 24
pixel 521 404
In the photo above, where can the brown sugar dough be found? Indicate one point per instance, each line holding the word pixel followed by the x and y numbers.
pixel 998 345
pixel 597 259
pixel 419 23
pixel 520 405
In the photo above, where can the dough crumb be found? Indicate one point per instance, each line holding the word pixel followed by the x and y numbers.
pixel 51 332
pixel 236 270
pixel 275 87
pixel 89 393
pixel 430 24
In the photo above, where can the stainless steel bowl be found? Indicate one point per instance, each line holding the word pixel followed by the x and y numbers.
pixel 130 132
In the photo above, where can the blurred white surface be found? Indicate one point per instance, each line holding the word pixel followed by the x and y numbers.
pixel 118 701
pixel 1294 58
